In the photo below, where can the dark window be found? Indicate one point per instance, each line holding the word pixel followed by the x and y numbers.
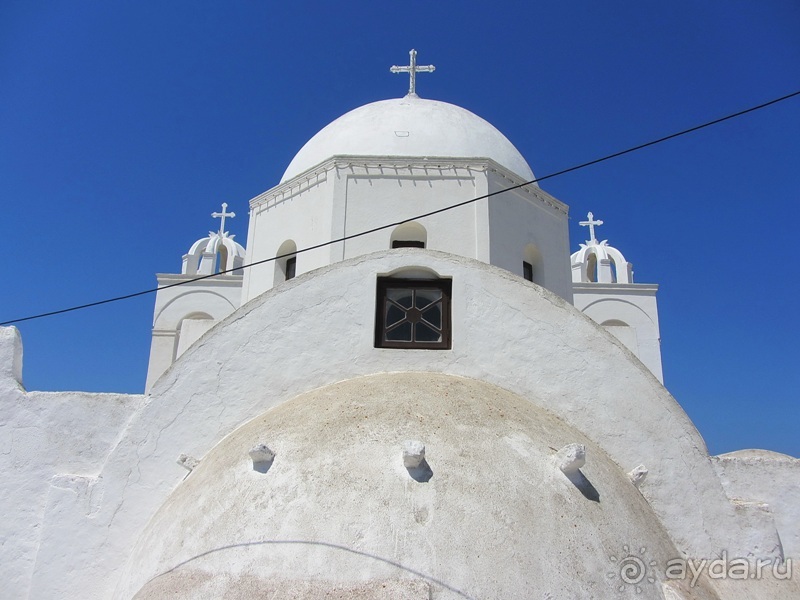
pixel 291 267
pixel 407 244
pixel 413 313
pixel 527 270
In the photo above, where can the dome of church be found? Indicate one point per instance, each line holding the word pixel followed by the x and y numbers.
pixel 336 513
pixel 409 126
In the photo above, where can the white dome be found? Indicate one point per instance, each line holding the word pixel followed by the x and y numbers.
pixel 409 126
pixel 338 515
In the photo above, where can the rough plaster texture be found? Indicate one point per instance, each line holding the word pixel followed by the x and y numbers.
pixel 769 478
pixel 409 126
pixel 10 355
pixel 338 505
pixel 310 332
pixel 763 587
pixel 517 221
pixel 200 585
pixel 182 313
pixel 54 446
pixel 629 311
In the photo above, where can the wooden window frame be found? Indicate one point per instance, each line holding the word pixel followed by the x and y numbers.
pixel 443 285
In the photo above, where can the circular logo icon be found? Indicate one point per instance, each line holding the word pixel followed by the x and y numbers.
pixel 631 569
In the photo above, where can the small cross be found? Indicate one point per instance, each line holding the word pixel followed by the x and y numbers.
pixel 222 215
pixel 412 69
pixel 591 223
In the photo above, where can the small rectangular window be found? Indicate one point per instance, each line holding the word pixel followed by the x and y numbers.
pixel 413 313
pixel 291 267
pixel 407 244
pixel 527 270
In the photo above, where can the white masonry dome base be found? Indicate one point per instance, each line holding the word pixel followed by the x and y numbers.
pixel 409 127
pixel 339 513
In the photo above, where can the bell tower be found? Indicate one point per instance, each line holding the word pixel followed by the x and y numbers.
pixel 187 307
pixel 603 289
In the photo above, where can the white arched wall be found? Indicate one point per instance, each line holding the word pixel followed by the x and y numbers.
pixel 631 324
pixel 214 305
pixel 409 232
pixel 215 298
pixel 287 250
pixel 318 329
pixel 533 256
pixel 355 491
pixel 190 329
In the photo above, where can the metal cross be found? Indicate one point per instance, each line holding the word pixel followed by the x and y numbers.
pixel 412 69
pixel 591 223
pixel 222 215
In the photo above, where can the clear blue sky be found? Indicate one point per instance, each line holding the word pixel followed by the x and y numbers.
pixel 124 125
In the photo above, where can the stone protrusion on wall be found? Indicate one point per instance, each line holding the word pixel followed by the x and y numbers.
pixel 11 354
pixel 571 458
pixel 413 454
pixel 262 456
pixel 638 475
pixel 187 462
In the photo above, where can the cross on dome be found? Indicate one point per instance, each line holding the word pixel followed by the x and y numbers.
pixel 412 69
pixel 222 215
pixel 591 224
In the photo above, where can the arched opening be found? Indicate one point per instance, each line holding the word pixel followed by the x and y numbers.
pixel 286 263
pixel 613 269
pixel 222 258
pixel 614 323
pixel 623 332
pixel 591 267
pixel 189 330
pixel 533 264
pixel 409 235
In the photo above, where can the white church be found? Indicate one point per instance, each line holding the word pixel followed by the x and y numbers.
pixel 407 384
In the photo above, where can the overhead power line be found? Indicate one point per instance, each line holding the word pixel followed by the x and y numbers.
pixel 416 218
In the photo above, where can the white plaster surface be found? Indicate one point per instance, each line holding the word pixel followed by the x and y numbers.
pixel 409 126
pixel 11 355
pixel 771 478
pixel 183 313
pixel 413 453
pixel 191 331
pixel 606 293
pixel 212 254
pixel 115 455
pixel 54 446
pixel 610 264
pixel 571 457
pixel 353 194
pixel 627 311
pixel 337 507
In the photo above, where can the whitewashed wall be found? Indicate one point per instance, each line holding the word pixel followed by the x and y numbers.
pixel 312 331
pixel 760 476
pixel 350 195
pixel 208 300
pixel 631 304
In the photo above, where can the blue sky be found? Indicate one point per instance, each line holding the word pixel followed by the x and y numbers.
pixel 124 125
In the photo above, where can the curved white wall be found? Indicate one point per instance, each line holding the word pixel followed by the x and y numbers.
pixel 318 329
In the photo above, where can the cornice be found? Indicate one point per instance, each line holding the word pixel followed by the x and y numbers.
pixel 188 280
pixel 615 288
pixel 399 165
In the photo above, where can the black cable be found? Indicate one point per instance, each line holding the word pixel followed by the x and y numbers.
pixel 416 218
